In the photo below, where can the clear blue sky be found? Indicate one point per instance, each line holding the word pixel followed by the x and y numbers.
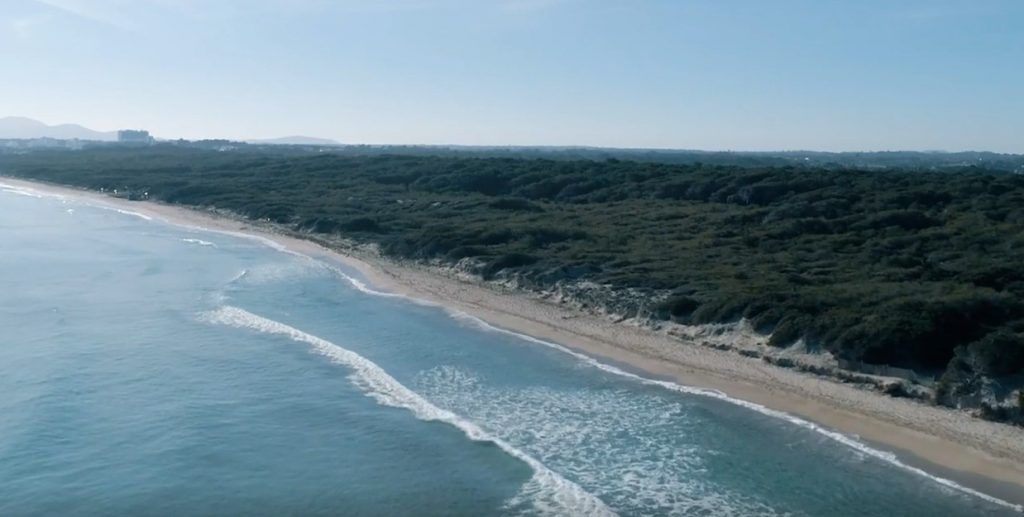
pixel 709 74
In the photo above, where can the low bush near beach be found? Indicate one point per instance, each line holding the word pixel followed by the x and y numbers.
pixel 911 268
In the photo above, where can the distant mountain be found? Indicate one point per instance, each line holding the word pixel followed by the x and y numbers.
pixel 24 128
pixel 295 140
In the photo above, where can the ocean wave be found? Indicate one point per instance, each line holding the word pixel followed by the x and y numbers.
pixel 547 491
pixel 634 452
pixel 273 272
pixel 266 241
pixel 125 212
pixel 199 242
pixel 40 194
pixel 841 438
pixel 362 287
pixel 22 191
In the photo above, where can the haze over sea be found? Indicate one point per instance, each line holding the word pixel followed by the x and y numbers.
pixel 153 369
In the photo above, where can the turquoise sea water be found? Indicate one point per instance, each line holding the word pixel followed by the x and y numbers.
pixel 149 369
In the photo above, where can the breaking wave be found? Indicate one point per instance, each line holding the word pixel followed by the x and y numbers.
pixel 199 242
pixel 238 317
pixel 546 491
pixel 126 212
pixel 23 191
pixel 634 452
pixel 40 194
pixel 841 438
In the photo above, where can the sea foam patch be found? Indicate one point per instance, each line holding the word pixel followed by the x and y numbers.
pixel 362 287
pixel 841 438
pixel 547 491
pixel 25 191
pixel 631 450
pixel 44 194
pixel 836 436
pixel 199 242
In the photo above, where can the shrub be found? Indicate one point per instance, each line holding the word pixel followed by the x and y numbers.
pixel 999 353
pixel 511 260
pixel 678 307
pixel 360 224
pixel 516 204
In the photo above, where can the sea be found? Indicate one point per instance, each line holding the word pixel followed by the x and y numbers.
pixel 154 369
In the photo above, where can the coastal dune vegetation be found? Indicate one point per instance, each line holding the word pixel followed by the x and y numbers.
pixel 912 268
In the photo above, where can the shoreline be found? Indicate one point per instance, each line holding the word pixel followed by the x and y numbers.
pixel 984 456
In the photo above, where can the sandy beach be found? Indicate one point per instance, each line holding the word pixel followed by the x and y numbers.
pixel 980 455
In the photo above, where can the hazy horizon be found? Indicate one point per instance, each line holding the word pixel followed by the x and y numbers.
pixel 795 75
pixel 270 139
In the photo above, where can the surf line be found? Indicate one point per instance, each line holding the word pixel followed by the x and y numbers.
pixel 41 194
pixel 386 390
pixel 362 287
pixel 841 438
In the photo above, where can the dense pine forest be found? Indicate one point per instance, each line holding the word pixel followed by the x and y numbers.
pixel 909 267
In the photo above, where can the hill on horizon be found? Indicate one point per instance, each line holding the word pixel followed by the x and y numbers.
pixel 26 128
pixel 17 128
pixel 23 128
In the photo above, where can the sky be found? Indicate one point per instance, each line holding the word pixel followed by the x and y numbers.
pixel 838 75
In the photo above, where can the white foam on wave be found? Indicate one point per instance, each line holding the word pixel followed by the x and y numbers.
pixel 40 194
pixel 844 439
pixel 841 438
pixel 362 287
pixel 272 272
pixel 266 241
pixel 634 452
pixel 200 242
pixel 550 493
pixel 125 212
pixel 95 203
pixel 25 191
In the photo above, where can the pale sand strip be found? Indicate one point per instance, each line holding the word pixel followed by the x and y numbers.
pixel 981 455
